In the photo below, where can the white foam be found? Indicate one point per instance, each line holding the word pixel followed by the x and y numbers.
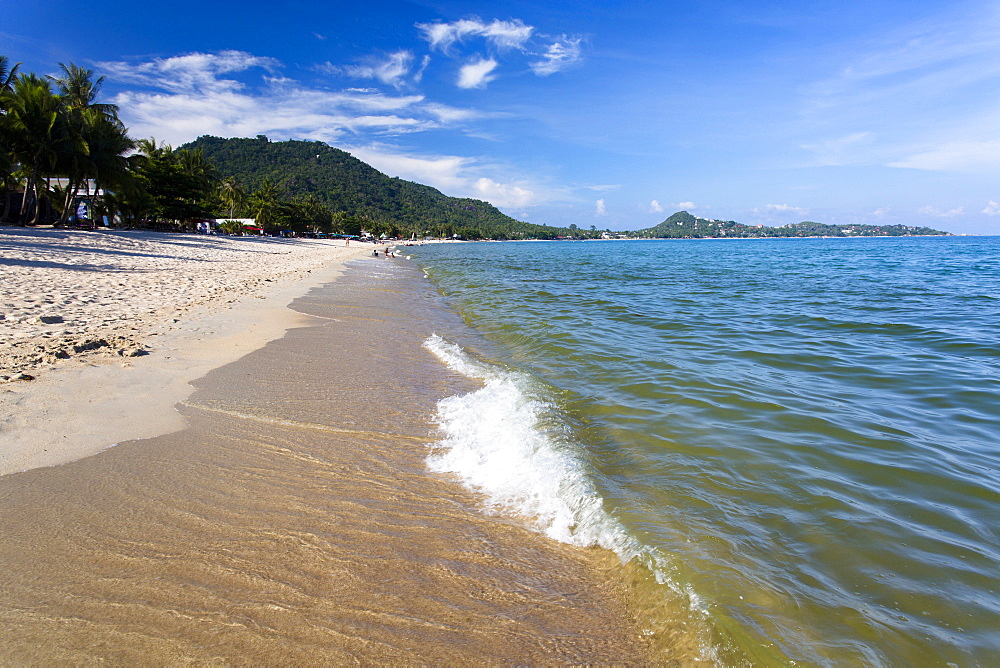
pixel 503 442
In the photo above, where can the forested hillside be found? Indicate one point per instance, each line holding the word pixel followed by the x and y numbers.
pixel 356 192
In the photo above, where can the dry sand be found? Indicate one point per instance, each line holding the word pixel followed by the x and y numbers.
pixel 101 332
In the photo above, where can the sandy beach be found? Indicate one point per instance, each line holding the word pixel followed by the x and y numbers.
pixel 102 332
pixel 277 508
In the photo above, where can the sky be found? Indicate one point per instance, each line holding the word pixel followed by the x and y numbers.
pixel 611 114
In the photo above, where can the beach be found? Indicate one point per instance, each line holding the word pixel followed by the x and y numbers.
pixel 112 326
pixel 267 499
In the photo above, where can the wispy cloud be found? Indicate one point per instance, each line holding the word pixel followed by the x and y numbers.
pixel 550 54
pixel 504 193
pixel 939 213
pixel 687 206
pixel 603 188
pixel 476 74
pixel 454 175
pixel 841 150
pixel 562 54
pixel 501 34
pixel 392 69
pixel 956 156
pixel 193 72
pixel 786 208
pixel 992 208
pixel 599 208
pixel 194 94
pixel 913 97
pixel 655 207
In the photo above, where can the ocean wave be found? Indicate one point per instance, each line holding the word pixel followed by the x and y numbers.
pixel 508 442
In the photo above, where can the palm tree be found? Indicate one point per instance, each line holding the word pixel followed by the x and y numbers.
pixel 195 164
pixel 149 148
pixel 7 75
pixel 97 124
pixel 264 203
pixel 108 143
pixel 232 194
pixel 36 131
pixel 79 90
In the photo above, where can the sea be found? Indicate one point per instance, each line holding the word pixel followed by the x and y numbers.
pixel 797 440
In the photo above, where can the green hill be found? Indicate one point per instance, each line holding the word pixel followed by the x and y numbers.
pixel 358 191
pixel 684 225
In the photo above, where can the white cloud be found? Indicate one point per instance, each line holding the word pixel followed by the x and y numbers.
pixel 502 34
pixel 786 208
pixel 453 175
pixel 195 97
pixel 600 209
pixel 550 54
pixel 504 194
pixel 881 212
pixel 476 74
pixel 419 74
pixel 938 213
pixel 992 209
pixel 602 188
pixel 451 115
pixel 912 97
pixel 956 156
pixel 561 54
pixel 687 206
pixel 442 172
pixel 655 207
pixel 190 73
pixel 508 34
pixel 391 70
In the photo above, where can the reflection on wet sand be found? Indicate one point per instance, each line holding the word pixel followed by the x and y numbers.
pixel 294 521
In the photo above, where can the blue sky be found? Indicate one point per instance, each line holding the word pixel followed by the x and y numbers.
pixel 613 114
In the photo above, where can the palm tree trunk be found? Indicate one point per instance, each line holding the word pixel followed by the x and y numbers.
pixel 6 206
pixel 28 189
pixel 71 189
pixel 38 208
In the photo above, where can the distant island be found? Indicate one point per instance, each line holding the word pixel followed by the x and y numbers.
pixel 684 225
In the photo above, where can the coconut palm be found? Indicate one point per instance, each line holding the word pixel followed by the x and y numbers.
pixel 36 132
pixel 97 124
pixel 264 203
pixel 232 195
pixel 7 182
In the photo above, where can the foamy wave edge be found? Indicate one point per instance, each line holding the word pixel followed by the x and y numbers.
pixel 497 441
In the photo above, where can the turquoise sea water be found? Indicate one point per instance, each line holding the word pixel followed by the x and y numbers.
pixel 800 438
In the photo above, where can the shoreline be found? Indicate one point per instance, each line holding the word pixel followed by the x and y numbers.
pixel 294 518
pixel 162 337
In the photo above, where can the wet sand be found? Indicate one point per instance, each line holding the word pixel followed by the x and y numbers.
pixel 293 521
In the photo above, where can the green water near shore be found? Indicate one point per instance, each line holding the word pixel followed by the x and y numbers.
pixel 802 436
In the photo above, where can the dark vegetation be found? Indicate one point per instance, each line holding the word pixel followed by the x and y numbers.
pixel 357 195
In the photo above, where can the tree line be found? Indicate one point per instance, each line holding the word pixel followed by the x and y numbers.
pixel 60 146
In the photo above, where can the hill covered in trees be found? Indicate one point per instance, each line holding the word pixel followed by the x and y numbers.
pixel 684 225
pixel 357 194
